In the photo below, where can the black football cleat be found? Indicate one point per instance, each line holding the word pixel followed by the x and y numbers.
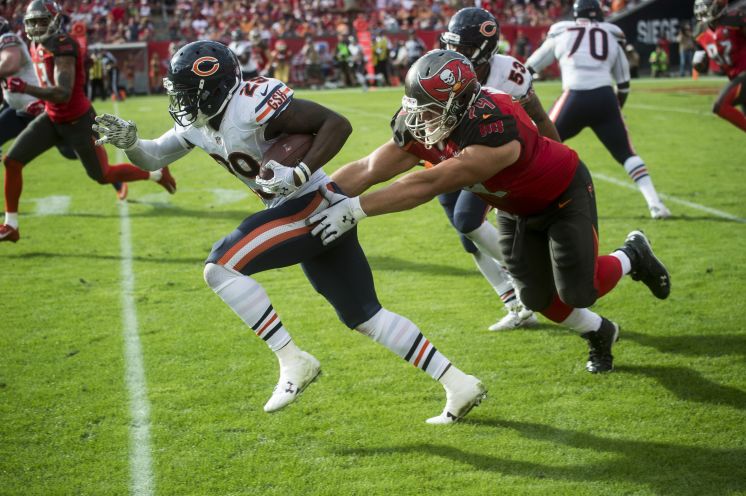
pixel 600 342
pixel 645 265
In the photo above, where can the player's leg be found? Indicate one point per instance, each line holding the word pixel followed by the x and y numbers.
pixel 342 275
pixel 79 136
pixel 733 95
pixel 38 137
pixel 568 114
pixel 469 219
pixel 272 238
pixel 611 130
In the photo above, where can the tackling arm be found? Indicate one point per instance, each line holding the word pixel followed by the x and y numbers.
pixel 10 61
pixel 476 163
pixel 64 77
pixel 385 162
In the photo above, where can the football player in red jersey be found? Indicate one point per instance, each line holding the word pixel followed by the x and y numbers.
pixel 483 141
pixel 723 38
pixel 67 117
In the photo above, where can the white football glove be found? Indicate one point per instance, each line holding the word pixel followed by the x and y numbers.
pixel 118 132
pixel 282 183
pixel 340 216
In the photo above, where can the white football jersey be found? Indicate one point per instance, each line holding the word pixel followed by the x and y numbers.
pixel 19 101
pixel 509 76
pixel 239 144
pixel 590 54
pixel 241 48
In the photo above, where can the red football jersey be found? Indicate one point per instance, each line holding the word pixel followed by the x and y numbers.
pixel 43 56
pixel 725 45
pixel 542 172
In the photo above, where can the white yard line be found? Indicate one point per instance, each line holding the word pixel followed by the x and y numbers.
pixel 142 482
pixel 627 183
pixel 52 205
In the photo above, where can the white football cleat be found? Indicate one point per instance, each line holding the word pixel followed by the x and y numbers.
pixel 517 316
pixel 294 378
pixel 460 402
pixel 659 211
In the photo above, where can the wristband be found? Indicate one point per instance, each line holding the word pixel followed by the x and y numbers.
pixel 303 172
pixel 356 209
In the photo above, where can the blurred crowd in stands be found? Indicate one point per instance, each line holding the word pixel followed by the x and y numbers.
pixel 118 21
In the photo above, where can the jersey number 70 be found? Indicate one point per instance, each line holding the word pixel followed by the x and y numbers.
pixel 596 36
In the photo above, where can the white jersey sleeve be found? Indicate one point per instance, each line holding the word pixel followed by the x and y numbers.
pixel 587 52
pixel 509 75
pixel 546 53
pixel 620 69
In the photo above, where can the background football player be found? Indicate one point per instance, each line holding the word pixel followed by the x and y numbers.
pixel 236 123
pixel 723 37
pixel 591 54
pixel 484 141
pixel 19 109
pixel 67 117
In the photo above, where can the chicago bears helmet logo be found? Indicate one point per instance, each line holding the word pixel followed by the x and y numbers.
pixel 451 78
pixel 488 28
pixel 205 66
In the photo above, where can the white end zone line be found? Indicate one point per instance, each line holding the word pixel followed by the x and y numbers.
pixel 596 175
pixel 142 482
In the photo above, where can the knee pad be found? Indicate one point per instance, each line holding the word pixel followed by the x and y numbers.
pixel 536 300
pixel 466 222
pixel 217 276
pixel 578 297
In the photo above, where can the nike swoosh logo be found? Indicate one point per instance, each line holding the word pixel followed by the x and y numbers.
pixel 564 203
pixel 264 93
pixel 486 116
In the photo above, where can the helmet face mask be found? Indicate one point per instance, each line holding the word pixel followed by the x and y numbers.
pixel 202 78
pixel 42 20
pixel 439 89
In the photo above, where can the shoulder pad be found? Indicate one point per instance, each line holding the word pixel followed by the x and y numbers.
pixel 264 98
pixel 63 44
pixel 486 124
pixel 558 28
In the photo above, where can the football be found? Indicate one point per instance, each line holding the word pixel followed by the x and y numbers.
pixel 288 150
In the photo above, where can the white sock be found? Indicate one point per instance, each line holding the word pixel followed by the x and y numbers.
pixel 582 320
pixel 495 275
pixel 11 219
pixel 486 238
pixel 403 337
pixel 624 260
pixel 156 175
pixel 638 172
pixel 287 353
pixel 452 378
pixel 248 299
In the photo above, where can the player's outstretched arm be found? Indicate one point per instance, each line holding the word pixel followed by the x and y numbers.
pixel 306 117
pixel 385 162
pixel 149 155
pixel 475 164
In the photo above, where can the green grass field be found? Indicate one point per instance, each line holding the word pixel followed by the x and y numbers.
pixel 671 419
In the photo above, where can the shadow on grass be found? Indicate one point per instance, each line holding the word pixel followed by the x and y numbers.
pixel 689 385
pixel 94 256
pixel 698 345
pixel 399 264
pixel 168 210
pixel 664 468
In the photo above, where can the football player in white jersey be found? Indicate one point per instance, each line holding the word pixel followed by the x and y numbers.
pixel 591 53
pixel 236 122
pixel 242 48
pixel 15 60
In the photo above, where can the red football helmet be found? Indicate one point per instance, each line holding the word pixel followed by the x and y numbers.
pixel 438 90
